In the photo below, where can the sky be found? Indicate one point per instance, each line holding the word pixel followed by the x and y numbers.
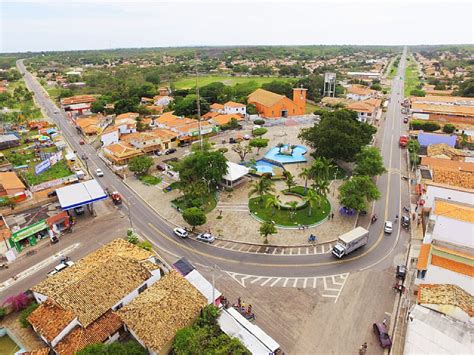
pixel 42 25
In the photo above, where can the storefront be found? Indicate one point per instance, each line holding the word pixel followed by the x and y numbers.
pixel 29 235
pixel 59 223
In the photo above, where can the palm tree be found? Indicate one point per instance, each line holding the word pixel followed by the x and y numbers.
pixel 311 198
pixel 267 228
pixel 321 188
pixel 305 174
pixel 280 145
pixel 292 148
pixel 290 180
pixel 292 205
pixel 274 202
pixel 262 187
pixel 321 168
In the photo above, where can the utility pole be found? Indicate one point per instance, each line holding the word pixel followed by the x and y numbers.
pixel 198 104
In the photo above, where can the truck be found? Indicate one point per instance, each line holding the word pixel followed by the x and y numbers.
pixel 350 241
pixel 403 141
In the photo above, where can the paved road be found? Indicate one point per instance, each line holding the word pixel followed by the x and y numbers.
pixel 153 227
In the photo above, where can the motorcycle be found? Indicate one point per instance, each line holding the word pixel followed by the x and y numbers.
pixel 312 238
pixel 374 219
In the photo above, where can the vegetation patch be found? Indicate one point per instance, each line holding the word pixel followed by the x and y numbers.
pixel 150 179
pixel 57 171
pixel 284 217
pixel 206 202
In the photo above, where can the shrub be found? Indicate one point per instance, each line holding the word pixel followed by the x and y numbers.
pixel 145 245
pixel 259 122
pixel 449 128
pixel 223 150
pixel 258 132
pixel 26 313
pixel 132 238
pixel 18 302
pixel 3 313
pixel 417 92
pixel 425 125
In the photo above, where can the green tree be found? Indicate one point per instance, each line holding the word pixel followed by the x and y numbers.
pixel 251 109
pixel 417 92
pixel 26 313
pixel 357 192
pixel 339 135
pixel 117 348
pixel 369 162
pixel 188 106
pixel 242 150
pixel 413 150
pixel 261 187
pixel 292 205
pixel 212 92
pixel 202 166
pixel 266 229
pixel 305 174
pixel 279 87
pixel 311 198
pixel 289 179
pixel 258 132
pixel 274 202
pixel 194 216
pixel 258 143
pixel 449 128
pixel 140 165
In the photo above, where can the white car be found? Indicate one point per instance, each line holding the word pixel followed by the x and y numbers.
pixel 61 267
pixel 247 137
pixel 388 227
pixel 206 237
pixel 99 172
pixel 180 232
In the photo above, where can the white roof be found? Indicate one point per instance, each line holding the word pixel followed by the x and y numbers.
pixel 79 106
pixel 359 73
pixel 429 332
pixel 254 339
pixel 80 194
pixel 203 286
pixel 453 231
pixel 70 156
pixel 446 193
pixel 235 171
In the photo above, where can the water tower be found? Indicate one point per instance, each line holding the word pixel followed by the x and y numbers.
pixel 329 84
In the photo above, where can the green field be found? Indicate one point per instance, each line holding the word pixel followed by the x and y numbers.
pixel 411 77
pixel 53 92
pixel 190 82
pixel 310 108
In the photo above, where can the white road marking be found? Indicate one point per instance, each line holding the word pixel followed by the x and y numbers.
pixel 257 279
pixel 295 282
pixel 286 281
pixel 265 282
pixel 305 281
pixel 275 282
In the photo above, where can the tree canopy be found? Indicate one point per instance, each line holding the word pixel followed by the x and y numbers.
pixel 339 135
pixel 194 216
pixel 187 106
pixel 357 191
pixel 140 165
pixel 369 162
pixel 128 348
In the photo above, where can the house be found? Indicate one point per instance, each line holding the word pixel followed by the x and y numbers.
pixel 8 141
pixel 359 93
pixel 150 141
pixel 223 119
pixel 11 185
pixel 78 306
pixel 232 107
pixel 175 304
pixel 367 110
pixel 121 153
pixel 450 172
pixel 91 124
pixel 215 107
pixel 79 103
pixel 110 136
pixel 271 105
pixel 430 332
pixel 185 127
pixel 444 151
pixel 365 75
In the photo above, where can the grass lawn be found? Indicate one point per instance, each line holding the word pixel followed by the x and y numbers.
pixel 310 108
pixel 57 171
pixel 150 180
pixel 53 92
pixel 411 77
pixel 190 82
pixel 283 217
pixel 209 202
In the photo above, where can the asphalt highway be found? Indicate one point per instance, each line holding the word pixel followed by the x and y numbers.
pixel 149 224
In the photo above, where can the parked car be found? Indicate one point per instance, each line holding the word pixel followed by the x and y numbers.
pixel 61 267
pixel 79 210
pixel 52 193
pixel 206 237
pixel 99 172
pixel 380 331
pixel 247 137
pixel 161 167
pixel 388 227
pixel 405 222
pixel 181 232
pixel 405 120
pixel 170 151
pixel 81 142
pixel 53 239
pixel 401 272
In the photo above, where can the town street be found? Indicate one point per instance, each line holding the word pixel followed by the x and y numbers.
pixel 149 224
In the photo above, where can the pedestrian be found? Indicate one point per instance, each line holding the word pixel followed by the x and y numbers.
pixel 384 322
pixel 332 215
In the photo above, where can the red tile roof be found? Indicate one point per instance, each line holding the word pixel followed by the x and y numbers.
pixel 49 319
